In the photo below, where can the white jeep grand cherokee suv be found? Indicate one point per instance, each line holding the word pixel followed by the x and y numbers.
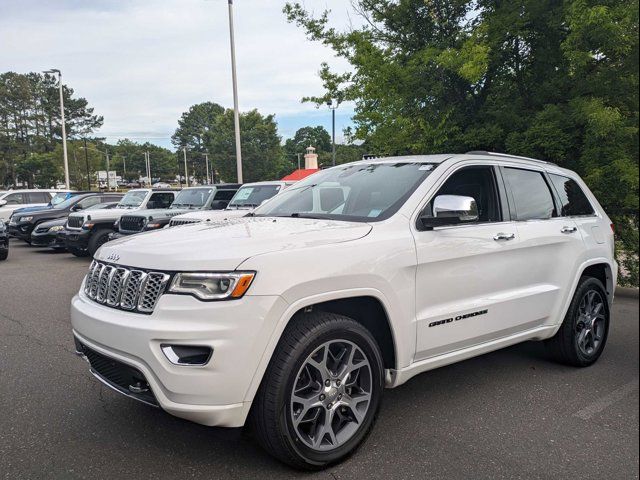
pixel 358 278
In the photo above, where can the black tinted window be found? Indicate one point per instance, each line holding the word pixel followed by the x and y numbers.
pixel 161 200
pixel 224 195
pixel 531 194
pixel 574 201
pixel 38 197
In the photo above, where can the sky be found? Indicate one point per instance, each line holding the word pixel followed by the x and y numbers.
pixel 141 63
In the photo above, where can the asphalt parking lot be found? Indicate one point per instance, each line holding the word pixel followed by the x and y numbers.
pixel 509 414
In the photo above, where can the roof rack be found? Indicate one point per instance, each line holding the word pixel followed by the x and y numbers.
pixel 506 155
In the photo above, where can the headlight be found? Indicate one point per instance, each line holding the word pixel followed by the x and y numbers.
pixel 212 286
pixel 87 225
pixel 152 226
pixel 57 228
pixel 25 219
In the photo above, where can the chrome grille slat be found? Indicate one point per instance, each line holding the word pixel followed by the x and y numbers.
pixel 120 287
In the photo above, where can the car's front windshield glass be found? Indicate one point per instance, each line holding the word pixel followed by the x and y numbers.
pixel 134 198
pixel 361 192
pixel 192 198
pixel 66 203
pixel 58 198
pixel 253 196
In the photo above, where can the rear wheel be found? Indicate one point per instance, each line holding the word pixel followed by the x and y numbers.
pixel 321 393
pixel 4 254
pixel 584 331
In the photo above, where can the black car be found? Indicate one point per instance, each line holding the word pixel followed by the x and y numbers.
pixel 4 242
pixel 52 233
pixel 21 225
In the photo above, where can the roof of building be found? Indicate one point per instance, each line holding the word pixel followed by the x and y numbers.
pixel 300 174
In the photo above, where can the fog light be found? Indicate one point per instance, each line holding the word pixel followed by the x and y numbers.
pixel 187 354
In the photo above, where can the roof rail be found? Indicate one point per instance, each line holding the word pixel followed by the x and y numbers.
pixel 506 155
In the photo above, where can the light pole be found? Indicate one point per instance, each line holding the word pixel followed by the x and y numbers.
pixel 236 113
pixel 333 106
pixel 186 172
pixel 206 161
pixel 64 129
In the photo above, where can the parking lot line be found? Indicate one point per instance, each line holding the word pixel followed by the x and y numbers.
pixel 606 401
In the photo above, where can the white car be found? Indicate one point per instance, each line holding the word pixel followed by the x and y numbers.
pixel 357 278
pixel 246 199
pixel 14 199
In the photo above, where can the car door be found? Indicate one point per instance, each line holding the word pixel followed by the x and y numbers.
pixel 550 244
pixel 13 202
pixel 469 276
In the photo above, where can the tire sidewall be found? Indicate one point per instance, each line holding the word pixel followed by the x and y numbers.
pixel 361 337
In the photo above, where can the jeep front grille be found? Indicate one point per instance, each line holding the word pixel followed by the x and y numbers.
pixel 175 222
pixel 75 222
pixel 123 288
pixel 132 224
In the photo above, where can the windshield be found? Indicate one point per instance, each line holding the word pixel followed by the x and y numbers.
pixel 355 192
pixel 253 196
pixel 134 198
pixel 66 203
pixel 192 198
pixel 58 198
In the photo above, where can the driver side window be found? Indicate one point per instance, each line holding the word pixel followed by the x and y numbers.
pixel 472 186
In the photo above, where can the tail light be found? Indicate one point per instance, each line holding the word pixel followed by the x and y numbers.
pixel 613 228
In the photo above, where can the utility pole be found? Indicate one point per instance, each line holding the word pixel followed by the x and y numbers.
pixel 236 111
pixel 149 169
pixel 108 167
pixel 186 172
pixel 64 128
pixel 333 106
pixel 86 161
pixel 206 161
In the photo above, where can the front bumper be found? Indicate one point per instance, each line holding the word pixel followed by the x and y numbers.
pixel 77 239
pixel 21 230
pixel 215 394
pixel 47 239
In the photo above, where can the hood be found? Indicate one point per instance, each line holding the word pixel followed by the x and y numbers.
pixel 32 209
pixel 157 214
pixel 212 215
pixel 223 245
pixel 106 215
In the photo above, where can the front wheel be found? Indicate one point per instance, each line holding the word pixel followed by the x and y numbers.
pixel 583 334
pixel 321 393
pixel 98 239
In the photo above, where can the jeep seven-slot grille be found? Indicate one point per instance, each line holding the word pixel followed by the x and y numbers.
pixel 127 289
pixel 132 224
pixel 175 222
pixel 75 222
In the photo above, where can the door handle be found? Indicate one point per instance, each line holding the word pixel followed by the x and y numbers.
pixel 569 229
pixel 504 236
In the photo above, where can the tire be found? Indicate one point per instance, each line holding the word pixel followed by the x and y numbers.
pixel 77 252
pixel 4 254
pixel 309 338
pixel 98 239
pixel 580 341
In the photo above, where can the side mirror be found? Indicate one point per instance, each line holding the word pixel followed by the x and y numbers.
pixel 219 205
pixel 451 210
pixel 76 208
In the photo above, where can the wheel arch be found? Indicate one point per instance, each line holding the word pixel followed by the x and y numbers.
pixel 345 303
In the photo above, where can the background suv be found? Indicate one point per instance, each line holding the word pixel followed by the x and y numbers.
pixel 205 198
pixel 358 277
pixel 86 232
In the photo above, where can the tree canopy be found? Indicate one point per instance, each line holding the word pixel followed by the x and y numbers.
pixel 556 80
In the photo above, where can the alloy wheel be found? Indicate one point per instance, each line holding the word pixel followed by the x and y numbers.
pixel 331 395
pixel 591 325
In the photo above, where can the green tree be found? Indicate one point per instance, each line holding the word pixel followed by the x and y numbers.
pixel 552 79
pixel 194 125
pixel 262 154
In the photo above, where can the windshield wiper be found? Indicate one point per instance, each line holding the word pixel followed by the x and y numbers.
pixel 304 215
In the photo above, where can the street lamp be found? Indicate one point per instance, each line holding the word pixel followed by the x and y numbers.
pixel 333 106
pixel 64 129
pixel 236 113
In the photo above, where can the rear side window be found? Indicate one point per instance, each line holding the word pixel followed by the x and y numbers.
pixel 38 197
pixel 161 200
pixel 15 199
pixel 574 202
pixel 225 195
pixel 531 194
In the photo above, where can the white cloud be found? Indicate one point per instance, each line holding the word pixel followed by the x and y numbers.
pixel 142 63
